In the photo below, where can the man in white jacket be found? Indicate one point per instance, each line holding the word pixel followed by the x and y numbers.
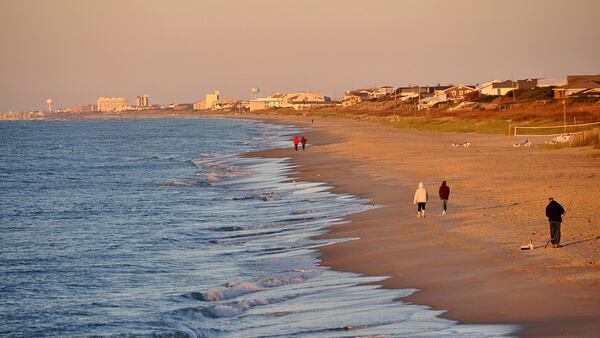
pixel 420 200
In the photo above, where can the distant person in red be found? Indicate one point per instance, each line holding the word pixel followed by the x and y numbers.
pixel 303 140
pixel 296 141
pixel 444 194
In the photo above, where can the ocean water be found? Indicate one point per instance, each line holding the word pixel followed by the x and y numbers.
pixel 159 228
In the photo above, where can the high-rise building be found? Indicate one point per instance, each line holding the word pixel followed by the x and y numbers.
pixel 211 99
pixel 111 103
pixel 142 101
pixel 83 108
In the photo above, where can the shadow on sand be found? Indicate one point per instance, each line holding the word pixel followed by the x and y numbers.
pixel 581 241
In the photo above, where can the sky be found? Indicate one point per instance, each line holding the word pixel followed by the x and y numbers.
pixel 177 51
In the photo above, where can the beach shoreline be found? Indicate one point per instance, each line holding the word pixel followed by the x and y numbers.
pixel 474 272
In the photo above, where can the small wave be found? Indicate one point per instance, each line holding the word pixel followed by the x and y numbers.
pixel 153 157
pixel 237 289
pixel 229 228
pixel 303 212
pixel 216 176
pixel 181 182
pixel 228 292
pixel 263 197
pixel 233 309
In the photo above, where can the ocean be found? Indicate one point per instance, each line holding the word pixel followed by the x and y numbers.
pixel 159 228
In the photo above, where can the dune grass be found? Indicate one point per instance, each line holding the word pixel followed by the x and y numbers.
pixel 488 126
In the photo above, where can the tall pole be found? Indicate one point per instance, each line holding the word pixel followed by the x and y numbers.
pixel 564 116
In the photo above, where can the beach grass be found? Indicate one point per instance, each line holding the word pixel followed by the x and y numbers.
pixel 553 146
pixel 482 126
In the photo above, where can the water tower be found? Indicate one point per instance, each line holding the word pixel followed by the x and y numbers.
pixel 254 91
pixel 49 102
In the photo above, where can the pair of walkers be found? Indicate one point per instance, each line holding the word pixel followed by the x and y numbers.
pixel 297 141
pixel 421 198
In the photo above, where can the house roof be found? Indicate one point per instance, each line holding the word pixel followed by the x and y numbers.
pixel 459 86
pixel 504 84
pixel 582 81
pixel 277 95
pixel 487 84
pixel 440 87
pixel 359 94
pixel 551 82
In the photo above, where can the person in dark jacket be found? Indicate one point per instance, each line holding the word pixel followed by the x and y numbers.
pixel 554 212
pixel 444 194
pixel 303 141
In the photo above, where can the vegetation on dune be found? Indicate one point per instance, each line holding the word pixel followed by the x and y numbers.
pixel 532 94
pixel 488 126
pixel 485 98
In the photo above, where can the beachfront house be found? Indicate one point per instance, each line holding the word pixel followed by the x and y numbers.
pixel 224 104
pixel 458 92
pixel 504 87
pixel 270 102
pixel 306 100
pixel 578 85
pixel 430 101
pixel 497 87
pixel 381 92
pixel 410 92
pixel 199 105
pixel 183 106
pixel 353 97
pixel 296 101
pixel 487 88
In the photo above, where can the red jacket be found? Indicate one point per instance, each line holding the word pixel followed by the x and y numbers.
pixel 303 140
pixel 296 141
pixel 444 191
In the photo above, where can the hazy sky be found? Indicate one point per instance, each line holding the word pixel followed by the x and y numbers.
pixel 75 51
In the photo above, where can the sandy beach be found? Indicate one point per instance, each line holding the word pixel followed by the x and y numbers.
pixel 469 261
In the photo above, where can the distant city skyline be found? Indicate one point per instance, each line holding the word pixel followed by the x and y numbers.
pixel 75 52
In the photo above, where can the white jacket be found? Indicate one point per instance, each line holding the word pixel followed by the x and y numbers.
pixel 420 194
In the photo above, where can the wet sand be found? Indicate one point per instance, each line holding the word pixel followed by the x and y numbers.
pixel 467 262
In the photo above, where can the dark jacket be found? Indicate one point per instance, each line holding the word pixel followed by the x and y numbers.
pixel 554 211
pixel 444 191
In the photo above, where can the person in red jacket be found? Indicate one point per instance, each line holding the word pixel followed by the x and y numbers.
pixel 296 141
pixel 303 140
pixel 444 194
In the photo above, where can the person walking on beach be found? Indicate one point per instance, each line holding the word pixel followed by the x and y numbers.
pixel 296 141
pixel 420 200
pixel 444 194
pixel 303 140
pixel 554 212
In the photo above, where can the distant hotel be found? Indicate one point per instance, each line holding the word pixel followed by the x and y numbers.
pixel 106 104
pixel 142 101
pixel 83 108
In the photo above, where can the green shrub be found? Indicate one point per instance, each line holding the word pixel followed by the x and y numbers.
pixel 533 94
pixel 484 98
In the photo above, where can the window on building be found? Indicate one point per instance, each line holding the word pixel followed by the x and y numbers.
pixel 454 93
pixel 460 92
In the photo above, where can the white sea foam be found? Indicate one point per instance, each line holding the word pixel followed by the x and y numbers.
pixel 230 291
